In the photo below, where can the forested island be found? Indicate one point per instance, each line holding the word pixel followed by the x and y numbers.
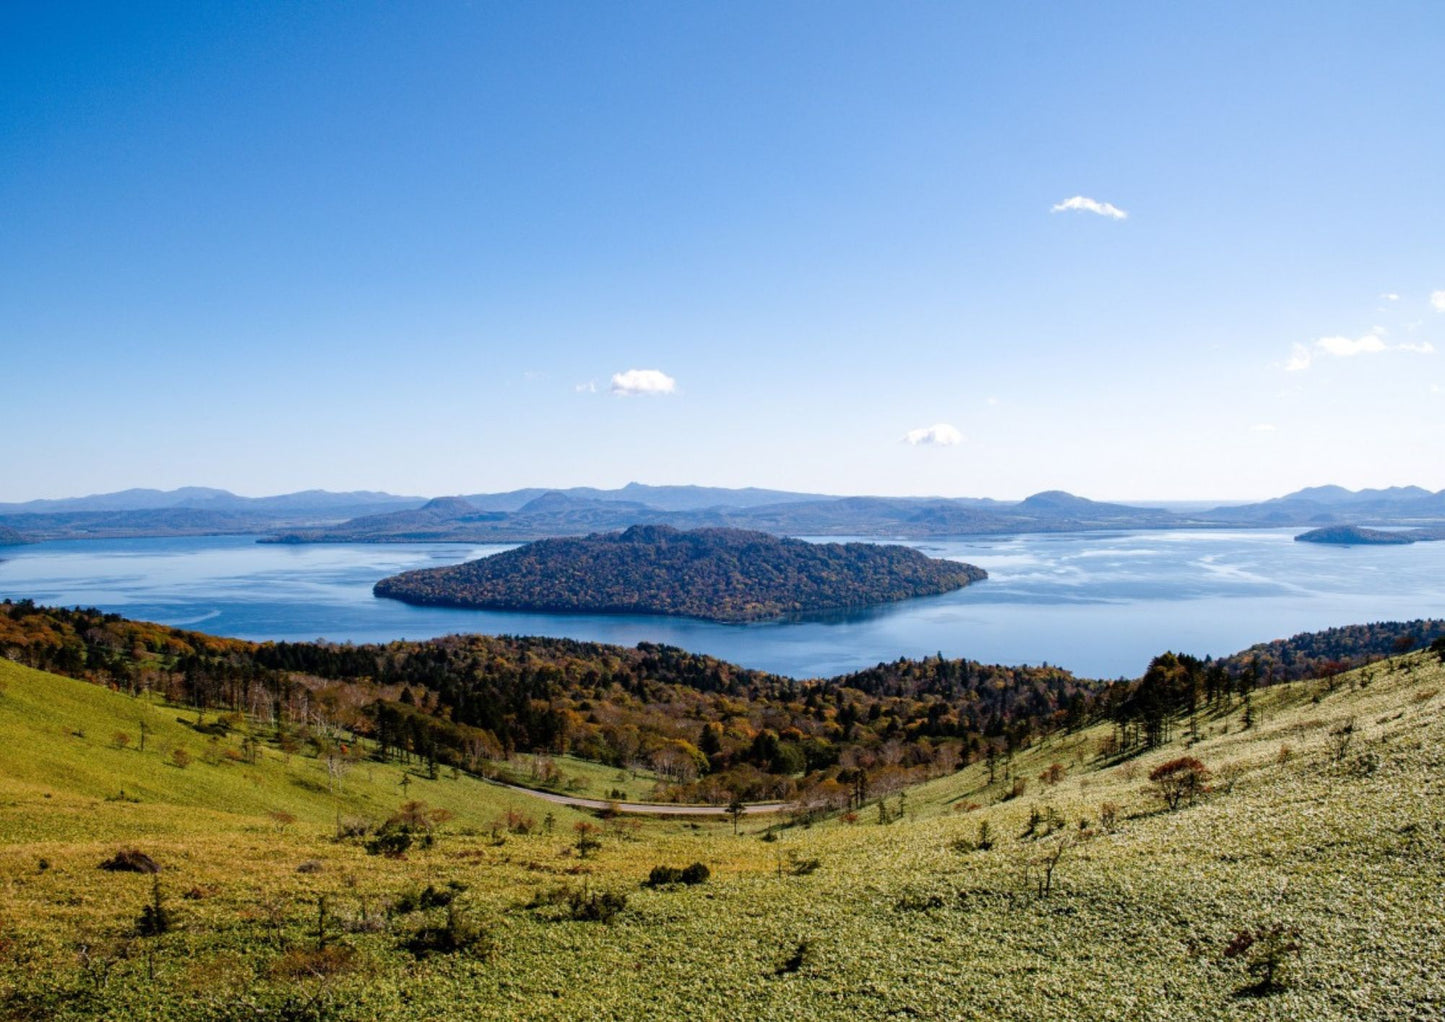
pixel 715 574
pixel 1357 535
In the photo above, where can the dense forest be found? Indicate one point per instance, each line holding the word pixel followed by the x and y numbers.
pixel 712 730
pixel 1332 651
pixel 717 574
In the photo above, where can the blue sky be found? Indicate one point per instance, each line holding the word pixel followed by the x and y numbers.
pixel 449 247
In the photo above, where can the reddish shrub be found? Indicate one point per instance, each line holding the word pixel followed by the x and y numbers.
pixel 1180 780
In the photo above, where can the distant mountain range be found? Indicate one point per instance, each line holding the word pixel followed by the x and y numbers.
pixel 319 516
pixel 190 511
pixel 1335 505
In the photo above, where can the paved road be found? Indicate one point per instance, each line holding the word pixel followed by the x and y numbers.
pixel 643 808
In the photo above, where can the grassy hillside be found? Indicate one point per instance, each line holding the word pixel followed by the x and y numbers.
pixel 1323 830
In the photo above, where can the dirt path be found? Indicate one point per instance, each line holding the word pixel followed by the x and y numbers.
pixel 642 808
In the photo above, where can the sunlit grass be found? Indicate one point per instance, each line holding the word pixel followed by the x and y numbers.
pixel 904 918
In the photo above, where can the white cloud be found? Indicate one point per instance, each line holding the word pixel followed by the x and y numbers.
pixel 1390 296
pixel 1302 356
pixel 642 381
pixel 1344 347
pixel 1085 205
pixel 1262 427
pixel 590 387
pixel 940 434
pixel 1437 299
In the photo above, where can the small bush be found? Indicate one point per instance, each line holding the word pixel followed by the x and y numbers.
pixel 798 866
pixel 581 904
pixel 310 866
pixel 390 842
pixel 519 823
pixel 412 825
pixel 983 843
pixel 548 897
pixel 595 906
pixel 587 843
pixel 664 876
pixel 1179 781
pixel 918 902
pixel 180 757
pixel 1340 739
pixel 413 900
pixel 332 960
pixel 130 860
pixel 1266 951
pixel 1109 816
pixel 1043 821
pixel 460 933
pixel 155 919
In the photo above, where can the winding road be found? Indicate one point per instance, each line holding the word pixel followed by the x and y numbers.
pixel 642 808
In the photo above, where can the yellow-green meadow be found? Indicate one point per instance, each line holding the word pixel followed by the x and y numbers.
pixel 1316 855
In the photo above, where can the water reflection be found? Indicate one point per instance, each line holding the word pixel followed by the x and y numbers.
pixel 1101 604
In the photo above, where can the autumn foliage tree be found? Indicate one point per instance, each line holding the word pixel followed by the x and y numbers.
pixel 1179 781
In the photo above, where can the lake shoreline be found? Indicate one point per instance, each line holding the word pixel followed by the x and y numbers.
pixel 1099 604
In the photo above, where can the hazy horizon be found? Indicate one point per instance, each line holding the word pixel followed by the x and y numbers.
pixel 1135 501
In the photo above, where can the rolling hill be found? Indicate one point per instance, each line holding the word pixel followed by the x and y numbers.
pixel 1300 879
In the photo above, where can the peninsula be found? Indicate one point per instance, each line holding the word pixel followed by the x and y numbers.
pixel 716 574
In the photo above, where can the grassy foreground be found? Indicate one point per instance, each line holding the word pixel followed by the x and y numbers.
pixel 1322 837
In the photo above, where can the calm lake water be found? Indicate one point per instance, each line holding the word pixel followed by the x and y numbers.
pixel 1100 604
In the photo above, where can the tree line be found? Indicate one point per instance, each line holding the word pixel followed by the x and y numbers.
pixel 710 729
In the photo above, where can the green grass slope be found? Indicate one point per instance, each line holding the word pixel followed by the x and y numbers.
pixel 59 747
pixel 1325 825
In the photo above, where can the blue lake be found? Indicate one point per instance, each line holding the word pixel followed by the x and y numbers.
pixel 1100 604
